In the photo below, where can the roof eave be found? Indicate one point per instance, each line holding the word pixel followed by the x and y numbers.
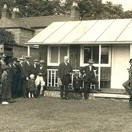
pixel 80 42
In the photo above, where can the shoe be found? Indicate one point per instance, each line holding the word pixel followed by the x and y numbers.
pixel 5 102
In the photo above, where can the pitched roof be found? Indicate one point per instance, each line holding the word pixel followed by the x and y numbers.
pixel 32 22
pixel 86 32
pixel 44 21
pixel 13 23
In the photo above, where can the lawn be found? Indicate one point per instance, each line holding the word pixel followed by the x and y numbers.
pixel 50 114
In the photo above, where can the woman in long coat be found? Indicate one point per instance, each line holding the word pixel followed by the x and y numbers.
pixel 6 79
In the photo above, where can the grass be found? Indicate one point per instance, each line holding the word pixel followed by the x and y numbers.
pixel 48 114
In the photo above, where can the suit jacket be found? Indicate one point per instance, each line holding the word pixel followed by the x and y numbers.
pixel 87 73
pixel 43 70
pixel 28 69
pixel 36 70
pixel 64 69
pixel 21 71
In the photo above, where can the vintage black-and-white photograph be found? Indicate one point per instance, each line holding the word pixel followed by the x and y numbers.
pixel 65 65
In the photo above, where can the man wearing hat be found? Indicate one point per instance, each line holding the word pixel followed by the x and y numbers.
pixel 28 70
pixel 36 67
pixel 128 84
pixel 22 76
pixel 88 73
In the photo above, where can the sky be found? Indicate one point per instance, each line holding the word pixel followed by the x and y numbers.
pixel 126 4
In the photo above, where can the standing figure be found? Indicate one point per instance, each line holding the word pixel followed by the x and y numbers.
pixel 128 84
pixel 6 80
pixel 64 75
pixel 42 76
pixel 88 73
pixel 77 85
pixel 2 65
pixel 36 67
pixel 22 78
pixel 15 81
pixel 31 86
pixel 40 83
pixel 28 69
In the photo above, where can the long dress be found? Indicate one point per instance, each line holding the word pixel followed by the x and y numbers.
pixel 6 83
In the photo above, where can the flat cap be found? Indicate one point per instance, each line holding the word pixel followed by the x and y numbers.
pixel 36 60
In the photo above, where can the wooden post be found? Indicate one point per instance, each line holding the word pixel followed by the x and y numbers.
pixel 131 51
pixel 28 51
pixel 99 65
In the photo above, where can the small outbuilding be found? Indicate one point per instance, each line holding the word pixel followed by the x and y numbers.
pixel 107 42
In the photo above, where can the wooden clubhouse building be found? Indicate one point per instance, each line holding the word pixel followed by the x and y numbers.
pixel 107 42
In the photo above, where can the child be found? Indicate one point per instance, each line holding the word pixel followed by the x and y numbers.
pixel 77 85
pixel 31 86
pixel 40 82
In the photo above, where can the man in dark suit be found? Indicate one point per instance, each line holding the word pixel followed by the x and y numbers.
pixel 28 69
pixel 22 78
pixel 88 73
pixel 64 74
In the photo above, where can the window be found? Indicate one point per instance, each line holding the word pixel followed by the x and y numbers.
pixel 63 52
pixel 104 55
pixel 56 54
pixel 92 52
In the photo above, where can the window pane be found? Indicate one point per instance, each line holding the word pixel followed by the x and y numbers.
pixel 95 54
pixel 54 54
pixel 91 52
pixel 63 52
pixel 105 55
pixel 87 54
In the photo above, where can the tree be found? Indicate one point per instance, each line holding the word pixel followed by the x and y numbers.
pixel 6 38
pixel 89 9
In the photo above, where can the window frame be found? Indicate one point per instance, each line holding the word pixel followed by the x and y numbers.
pixel 82 64
pixel 49 55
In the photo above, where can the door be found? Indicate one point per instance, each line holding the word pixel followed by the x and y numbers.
pixel 120 63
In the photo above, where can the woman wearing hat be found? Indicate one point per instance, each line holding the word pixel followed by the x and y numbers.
pixel 88 73
pixel 6 80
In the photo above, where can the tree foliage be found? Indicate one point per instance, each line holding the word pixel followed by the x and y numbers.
pixel 89 9
pixel 6 37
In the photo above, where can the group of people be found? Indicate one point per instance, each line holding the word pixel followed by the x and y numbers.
pixel 88 76
pixel 21 78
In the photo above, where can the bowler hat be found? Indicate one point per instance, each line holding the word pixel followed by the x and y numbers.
pixel 90 61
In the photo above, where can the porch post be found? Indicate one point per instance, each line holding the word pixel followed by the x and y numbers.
pixel 28 51
pixel 131 51
pixel 99 65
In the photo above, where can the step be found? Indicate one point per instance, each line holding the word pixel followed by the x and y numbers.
pixel 96 95
pixel 107 95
